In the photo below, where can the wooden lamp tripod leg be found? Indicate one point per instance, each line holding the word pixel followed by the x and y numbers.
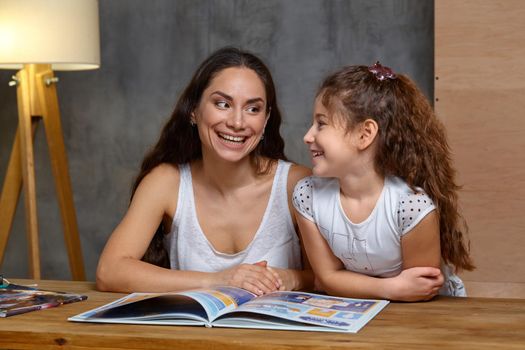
pixel 10 195
pixel 35 98
pixel 25 122
pixel 50 113
pixel 11 191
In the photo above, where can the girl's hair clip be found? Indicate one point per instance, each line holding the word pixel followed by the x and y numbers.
pixel 381 72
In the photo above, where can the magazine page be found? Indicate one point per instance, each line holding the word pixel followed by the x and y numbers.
pixel 148 308
pixel 194 307
pixel 303 311
pixel 15 299
pixel 220 300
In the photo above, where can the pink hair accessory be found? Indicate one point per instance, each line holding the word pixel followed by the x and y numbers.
pixel 381 72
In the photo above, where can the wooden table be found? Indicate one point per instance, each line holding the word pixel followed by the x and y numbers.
pixel 444 323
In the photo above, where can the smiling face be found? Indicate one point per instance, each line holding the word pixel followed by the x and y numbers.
pixel 333 149
pixel 231 114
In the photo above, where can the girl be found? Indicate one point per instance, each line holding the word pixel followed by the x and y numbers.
pixel 381 214
pixel 212 202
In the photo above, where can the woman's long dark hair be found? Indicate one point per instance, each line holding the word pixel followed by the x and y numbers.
pixel 412 144
pixel 179 141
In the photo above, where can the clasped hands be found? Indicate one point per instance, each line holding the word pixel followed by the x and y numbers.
pixel 257 278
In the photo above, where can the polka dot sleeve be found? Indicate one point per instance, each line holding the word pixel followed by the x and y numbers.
pixel 302 198
pixel 412 209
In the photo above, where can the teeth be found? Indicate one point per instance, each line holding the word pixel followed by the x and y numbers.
pixel 317 153
pixel 232 138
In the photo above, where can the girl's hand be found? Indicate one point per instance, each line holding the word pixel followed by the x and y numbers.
pixel 255 278
pixel 416 284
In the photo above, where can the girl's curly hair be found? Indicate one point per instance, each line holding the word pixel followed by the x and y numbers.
pixel 412 144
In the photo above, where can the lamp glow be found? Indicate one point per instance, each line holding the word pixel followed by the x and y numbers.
pixel 63 33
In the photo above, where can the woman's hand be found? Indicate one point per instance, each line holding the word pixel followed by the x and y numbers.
pixel 286 279
pixel 255 278
pixel 416 284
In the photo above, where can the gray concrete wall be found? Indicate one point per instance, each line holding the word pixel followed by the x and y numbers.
pixel 150 49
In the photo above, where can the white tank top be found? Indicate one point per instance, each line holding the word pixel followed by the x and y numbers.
pixel 275 240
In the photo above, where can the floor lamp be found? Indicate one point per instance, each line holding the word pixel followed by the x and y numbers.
pixel 38 37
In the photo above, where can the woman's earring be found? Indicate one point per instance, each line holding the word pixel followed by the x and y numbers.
pixel 192 122
pixel 267 117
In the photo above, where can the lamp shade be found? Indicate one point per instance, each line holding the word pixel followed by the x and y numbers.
pixel 63 33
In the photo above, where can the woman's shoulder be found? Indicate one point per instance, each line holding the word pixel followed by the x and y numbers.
pixel 296 173
pixel 165 172
pixel 162 178
pixel 161 186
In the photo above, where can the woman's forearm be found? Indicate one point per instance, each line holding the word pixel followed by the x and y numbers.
pixel 132 275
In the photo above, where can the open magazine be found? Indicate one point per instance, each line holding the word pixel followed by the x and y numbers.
pixel 238 308
pixel 17 299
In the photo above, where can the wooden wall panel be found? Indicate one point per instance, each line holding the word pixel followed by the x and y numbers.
pixel 480 96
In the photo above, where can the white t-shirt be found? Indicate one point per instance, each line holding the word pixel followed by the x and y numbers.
pixel 373 246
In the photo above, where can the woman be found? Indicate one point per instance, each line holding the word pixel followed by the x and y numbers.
pixel 213 198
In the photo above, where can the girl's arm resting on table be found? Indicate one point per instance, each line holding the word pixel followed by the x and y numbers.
pixel 120 268
pixel 421 245
pixel 413 284
pixel 421 248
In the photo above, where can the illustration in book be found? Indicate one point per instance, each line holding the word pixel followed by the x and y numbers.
pixel 238 308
